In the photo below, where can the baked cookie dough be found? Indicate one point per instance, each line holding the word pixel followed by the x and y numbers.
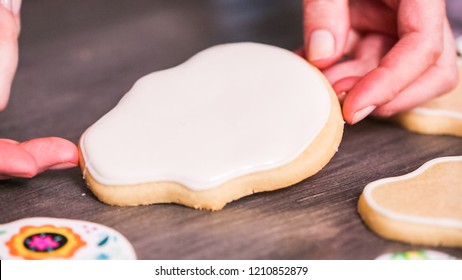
pixel 440 116
pixel 233 120
pixel 422 207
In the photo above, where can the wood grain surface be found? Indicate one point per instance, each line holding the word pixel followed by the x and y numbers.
pixel 78 58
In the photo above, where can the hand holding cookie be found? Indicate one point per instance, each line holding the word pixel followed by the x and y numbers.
pixel 403 52
pixel 29 158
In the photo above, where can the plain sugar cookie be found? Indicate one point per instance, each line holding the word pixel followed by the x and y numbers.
pixel 233 120
pixel 422 207
pixel 441 115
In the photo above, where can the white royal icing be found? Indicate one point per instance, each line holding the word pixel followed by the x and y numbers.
pixel 369 189
pixel 230 110
pixel 52 238
pixel 437 112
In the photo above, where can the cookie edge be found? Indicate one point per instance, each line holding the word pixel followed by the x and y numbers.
pixel 389 227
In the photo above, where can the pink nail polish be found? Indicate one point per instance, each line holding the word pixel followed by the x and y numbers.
pixel 361 114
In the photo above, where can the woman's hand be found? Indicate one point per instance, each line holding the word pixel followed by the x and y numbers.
pixel 403 52
pixel 31 157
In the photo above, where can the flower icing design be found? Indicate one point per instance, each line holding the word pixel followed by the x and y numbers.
pixel 45 242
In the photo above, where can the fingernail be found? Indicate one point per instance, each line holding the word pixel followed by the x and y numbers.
pixel 7 4
pixel 322 45
pixel 63 165
pixel 361 114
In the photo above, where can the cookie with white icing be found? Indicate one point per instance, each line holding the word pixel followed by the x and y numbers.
pixel 422 207
pixel 233 120
pixel 51 238
pixel 441 115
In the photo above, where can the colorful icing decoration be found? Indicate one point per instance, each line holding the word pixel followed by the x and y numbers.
pixel 416 255
pixel 51 238
pixel 44 242
pixel 422 207
pixel 219 123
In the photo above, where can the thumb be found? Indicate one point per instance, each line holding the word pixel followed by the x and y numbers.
pixel 326 25
pixel 52 153
pixel 9 32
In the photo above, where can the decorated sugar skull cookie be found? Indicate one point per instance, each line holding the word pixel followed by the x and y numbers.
pixel 416 255
pixel 51 238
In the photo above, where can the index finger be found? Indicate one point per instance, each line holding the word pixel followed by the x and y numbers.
pixel 420 29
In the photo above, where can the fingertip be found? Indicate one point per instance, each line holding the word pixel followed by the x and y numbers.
pixel 354 110
pixel 320 47
pixel 52 152
pixel 326 25
pixel 69 156
pixel 373 90
pixel 384 112
pixel 64 165
pixel 362 114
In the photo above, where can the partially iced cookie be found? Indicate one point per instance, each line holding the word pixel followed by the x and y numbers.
pixel 422 207
pixel 442 115
pixel 51 238
pixel 233 120
pixel 416 255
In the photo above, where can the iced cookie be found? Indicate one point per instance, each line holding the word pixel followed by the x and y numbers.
pixel 422 207
pixel 442 115
pixel 51 238
pixel 233 120
pixel 416 255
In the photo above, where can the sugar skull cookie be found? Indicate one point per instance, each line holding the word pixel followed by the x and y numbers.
pixel 51 238
pixel 233 120
pixel 416 255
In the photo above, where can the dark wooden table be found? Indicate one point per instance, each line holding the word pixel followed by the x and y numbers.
pixel 78 58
